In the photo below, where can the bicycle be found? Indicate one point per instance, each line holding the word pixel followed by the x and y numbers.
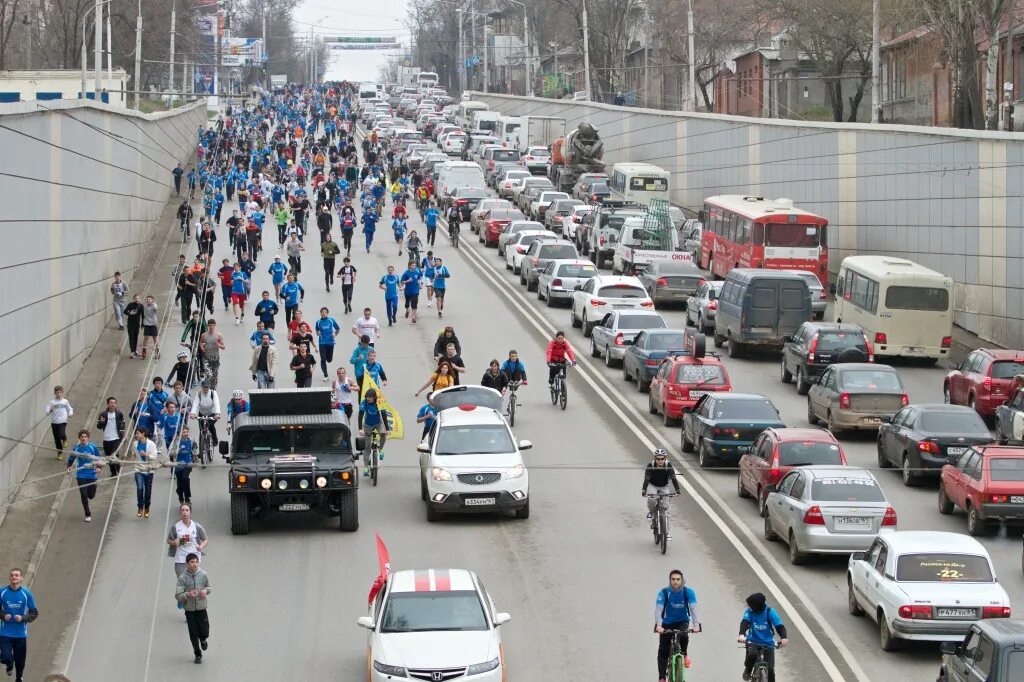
pixel 559 387
pixel 453 233
pixel 676 658
pixel 374 457
pixel 659 520
pixel 760 672
pixel 513 403
pixel 205 449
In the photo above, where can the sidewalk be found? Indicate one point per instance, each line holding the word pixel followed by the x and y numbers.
pixel 43 531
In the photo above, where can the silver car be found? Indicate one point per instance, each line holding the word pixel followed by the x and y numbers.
pixel 617 329
pixel 819 299
pixel 702 306
pixel 671 281
pixel 537 257
pixel 558 280
pixel 514 227
pixel 826 509
pixel 484 206
pixel 855 395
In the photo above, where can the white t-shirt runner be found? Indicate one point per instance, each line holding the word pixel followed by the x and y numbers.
pixel 185 548
pixel 367 327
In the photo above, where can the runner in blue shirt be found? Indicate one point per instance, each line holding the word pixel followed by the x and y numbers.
pixel 85 457
pixel 292 293
pixel 369 226
pixel 278 272
pixel 389 284
pixel 182 471
pixel 427 266
pixel 238 280
pixel 18 608
pixel 398 227
pixel 327 329
pixel 441 276
pixel 266 309
pixel 430 218
pixel 426 417
pixel 410 280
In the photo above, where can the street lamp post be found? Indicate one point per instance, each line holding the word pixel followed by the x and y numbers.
pixel 526 49
pixel 462 53
pixel 85 60
pixel 98 48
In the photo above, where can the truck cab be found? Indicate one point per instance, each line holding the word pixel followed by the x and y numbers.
pixel 992 651
pixel 293 451
pixel 604 228
pixel 636 247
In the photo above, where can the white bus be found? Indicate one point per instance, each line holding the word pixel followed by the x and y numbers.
pixel 905 308
pixel 426 80
pixel 639 182
pixel 465 111
pixel 507 130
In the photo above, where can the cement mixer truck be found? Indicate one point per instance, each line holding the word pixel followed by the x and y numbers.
pixel 578 152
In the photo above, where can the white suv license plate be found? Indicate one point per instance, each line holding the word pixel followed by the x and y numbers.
pixel 955 613
pixel 479 501
pixel 295 506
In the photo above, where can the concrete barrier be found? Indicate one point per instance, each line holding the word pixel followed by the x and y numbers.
pixel 82 187
pixel 948 199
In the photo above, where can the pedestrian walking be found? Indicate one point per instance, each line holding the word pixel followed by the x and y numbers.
pixel 18 607
pixel 111 424
pixel 59 410
pixel 185 537
pixel 348 282
pixel 85 459
pixel 133 323
pixel 263 365
pixel 150 328
pixel 146 461
pixel 192 590
pixel 119 291
pixel 177 173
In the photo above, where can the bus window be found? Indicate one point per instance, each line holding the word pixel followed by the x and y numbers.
pixel 917 298
pixel 792 235
pixel 744 237
pixel 648 184
pixel 757 234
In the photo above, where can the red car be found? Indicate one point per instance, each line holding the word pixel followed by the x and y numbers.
pixel 987 482
pixel 495 221
pixel 984 379
pixel 681 381
pixel 776 451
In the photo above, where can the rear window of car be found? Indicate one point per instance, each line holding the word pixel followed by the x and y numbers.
pixel 505 214
pixel 870 379
pixel 953 422
pixel 574 270
pixel 831 341
pixel 808 452
pixel 622 291
pixel 748 409
pixel 557 251
pixel 1006 468
pixel 666 341
pixel 470 193
pixel 943 567
pixel 704 375
pixel 1006 369
pixel 600 188
pixel 641 322
pixel 505 155
pixel 846 489
pixel 538 151
pixel 615 221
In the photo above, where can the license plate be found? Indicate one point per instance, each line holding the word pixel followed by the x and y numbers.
pixel 956 451
pixel 913 349
pixel 955 613
pixel 761 330
pixel 621 306
pixel 479 501
pixel 697 394
pixel 296 506
pixel 871 420
pixel 742 449
pixel 1017 499
pixel 849 522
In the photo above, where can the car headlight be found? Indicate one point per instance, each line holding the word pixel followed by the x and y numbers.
pixel 393 670
pixel 321 481
pixel 303 484
pixel 478 668
pixel 265 484
pixel 439 474
pixel 518 471
pixel 282 484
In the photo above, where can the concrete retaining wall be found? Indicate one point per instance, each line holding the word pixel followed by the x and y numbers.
pixel 82 186
pixel 948 199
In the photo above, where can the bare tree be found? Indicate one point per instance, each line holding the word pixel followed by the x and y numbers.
pixel 955 22
pixel 990 16
pixel 8 15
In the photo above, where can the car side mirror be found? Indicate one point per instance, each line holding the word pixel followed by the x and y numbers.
pixel 858 556
pixel 365 622
pixel 223 447
pixel 787 339
pixel 501 618
pixel 525 444
pixel 770 488
pixel 886 419
pixel 832 289
pixel 949 648
pixel 424 448
pixel 360 443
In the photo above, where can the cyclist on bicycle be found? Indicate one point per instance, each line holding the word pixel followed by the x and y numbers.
pixel 659 473
pixel 454 218
pixel 758 627
pixel 495 378
pixel 207 404
pixel 514 368
pixel 180 371
pixel 372 417
pixel 559 351
pixel 236 406
pixel 674 609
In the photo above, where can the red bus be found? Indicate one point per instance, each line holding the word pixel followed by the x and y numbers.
pixel 754 232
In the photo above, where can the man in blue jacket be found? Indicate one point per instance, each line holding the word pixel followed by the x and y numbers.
pixel 18 607
pixel 87 458
pixel 674 609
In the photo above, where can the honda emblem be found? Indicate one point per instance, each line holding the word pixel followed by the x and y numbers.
pixel 437 676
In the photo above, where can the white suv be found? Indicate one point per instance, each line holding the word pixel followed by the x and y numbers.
pixel 470 462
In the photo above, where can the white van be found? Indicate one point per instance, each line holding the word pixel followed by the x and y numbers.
pixel 507 130
pixel 905 309
pixel 639 182
pixel 486 121
pixel 458 174
pixel 367 91
pixel 466 109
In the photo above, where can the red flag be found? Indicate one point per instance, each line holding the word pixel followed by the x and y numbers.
pixel 384 561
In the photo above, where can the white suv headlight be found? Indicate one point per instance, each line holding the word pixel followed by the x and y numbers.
pixel 518 471
pixel 478 668
pixel 393 670
pixel 439 474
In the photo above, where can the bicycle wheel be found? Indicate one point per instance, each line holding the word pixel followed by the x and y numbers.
pixel 512 410
pixel 656 528
pixel 554 392
pixel 760 673
pixel 663 522
pixel 374 466
pixel 455 238
pixel 677 668
pixel 564 393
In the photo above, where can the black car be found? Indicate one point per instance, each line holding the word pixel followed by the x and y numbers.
pixel 922 438
pixel 598 191
pixel 816 345
pixel 722 426
pixel 467 199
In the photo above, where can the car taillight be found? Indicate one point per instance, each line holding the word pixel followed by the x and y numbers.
pixel 652 363
pixel 813 517
pixel 774 474
pixel 662 282
pixel 870 349
pixel 987 383
pixel 593 197
pixel 904 400
pixel 844 401
pixel 890 517
pixel 600 240
pixel 597 301
pixel 676 391
pixel 916 611
pixel 822 296
pixel 995 611
pixel 461 202
pixel 647 304
pixel 520 249
pixel 576 219
pixel 712 305
pixel 725 432
pixel 928 446
pixel 999 499
pixel 619 340
pixel 881 339
pixel 812 349
pixel 556 282
pixel 947 341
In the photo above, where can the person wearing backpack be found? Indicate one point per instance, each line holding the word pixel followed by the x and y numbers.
pixel 674 609
pixel 758 627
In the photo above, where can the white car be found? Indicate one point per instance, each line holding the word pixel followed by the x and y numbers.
pixel 924 585
pixel 519 243
pixel 513 228
pixel 470 462
pixel 536 160
pixel 512 185
pixel 453 143
pixel 601 295
pixel 434 624
pixel 573 220
pixel 504 187
pixel 558 280
pixel 539 206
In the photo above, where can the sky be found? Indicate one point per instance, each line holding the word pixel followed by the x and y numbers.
pixel 352 18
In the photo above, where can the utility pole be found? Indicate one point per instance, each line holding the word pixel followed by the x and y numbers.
pixel 31 21
pixel 472 38
pixel 647 55
pixel 98 49
pixel 138 56
pixel 487 73
pixel 110 49
pixel 462 52
pixel 219 37
pixel 692 60
pixel 170 74
pixel 266 51
pixel 586 54
pixel 876 93
pixel 528 84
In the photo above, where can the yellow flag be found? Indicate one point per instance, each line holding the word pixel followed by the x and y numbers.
pixel 397 428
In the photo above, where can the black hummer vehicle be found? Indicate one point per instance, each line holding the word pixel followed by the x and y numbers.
pixel 992 651
pixel 292 452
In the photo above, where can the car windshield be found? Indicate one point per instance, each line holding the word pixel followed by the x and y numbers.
pixel 1007 369
pixel 459 610
pixel 832 341
pixel 583 271
pixel 666 341
pixel 262 442
pixel 796 454
pixel 846 489
pixel 538 151
pixel 553 251
pixel 947 421
pixel 474 439
pixel 642 322
pixel 704 375
pixel 528 239
pixel 751 409
pixel 622 291
pixel 322 440
pixel 505 214
pixel 943 567
pixel 1006 468
pixel 792 235
pixel 870 379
